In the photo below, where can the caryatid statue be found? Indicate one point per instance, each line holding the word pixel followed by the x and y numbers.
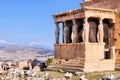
pixel 66 31
pixel 74 32
pixel 93 31
pixel 101 32
pixel 85 33
pixel 57 32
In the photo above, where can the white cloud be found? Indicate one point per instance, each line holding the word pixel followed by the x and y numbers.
pixel 42 44
pixel 6 42
pixel 3 41
pixel 32 43
pixel 13 43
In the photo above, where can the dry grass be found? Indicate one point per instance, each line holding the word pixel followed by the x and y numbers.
pixel 89 76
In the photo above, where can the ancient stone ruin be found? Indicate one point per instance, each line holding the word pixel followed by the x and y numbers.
pixel 90 37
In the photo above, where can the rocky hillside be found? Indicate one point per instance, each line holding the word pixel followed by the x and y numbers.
pixel 18 53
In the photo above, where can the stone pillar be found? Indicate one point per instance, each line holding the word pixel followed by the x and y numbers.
pixel 66 31
pixel 74 35
pixel 100 32
pixel 112 52
pixel 57 32
pixel 85 31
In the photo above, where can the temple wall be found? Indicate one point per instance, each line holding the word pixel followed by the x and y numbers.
pixel 80 50
pixel 109 4
pixel 69 51
pixel 99 65
pixel 117 36
pixel 94 58
pixel 94 51
pixel 117 32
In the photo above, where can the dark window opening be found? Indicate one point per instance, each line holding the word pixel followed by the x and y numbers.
pixel 69 24
pixel 106 28
pixel 107 55
pixel 80 23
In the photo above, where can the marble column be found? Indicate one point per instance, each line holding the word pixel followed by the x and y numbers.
pixel 57 33
pixel 66 31
pixel 85 33
pixel 100 32
pixel 74 35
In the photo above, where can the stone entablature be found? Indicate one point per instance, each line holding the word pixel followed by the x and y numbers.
pixel 85 12
pixel 73 35
pixel 69 15
pixel 100 13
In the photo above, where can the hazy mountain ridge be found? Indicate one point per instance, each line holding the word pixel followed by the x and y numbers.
pixel 17 53
pixel 15 48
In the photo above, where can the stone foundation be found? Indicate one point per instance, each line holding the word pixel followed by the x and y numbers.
pixel 99 65
pixel 86 57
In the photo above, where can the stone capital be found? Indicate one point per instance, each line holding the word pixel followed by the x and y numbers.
pixel 64 23
pixel 56 23
pixel 85 20
pixel 74 22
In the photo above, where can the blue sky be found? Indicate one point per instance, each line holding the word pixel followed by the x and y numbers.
pixel 30 22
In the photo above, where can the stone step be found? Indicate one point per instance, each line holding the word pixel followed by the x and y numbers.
pixel 118 61
pixel 77 60
pixel 73 65
pixel 69 65
pixel 71 69
pixel 78 63
pixel 117 65
pixel 117 68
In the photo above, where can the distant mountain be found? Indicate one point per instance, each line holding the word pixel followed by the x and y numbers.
pixel 15 48
pixel 17 53
pixel 12 48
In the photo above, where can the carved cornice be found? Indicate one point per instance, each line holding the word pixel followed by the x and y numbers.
pixel 69 15
pixel 83 12
pixel 99 13
pixel 99 9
